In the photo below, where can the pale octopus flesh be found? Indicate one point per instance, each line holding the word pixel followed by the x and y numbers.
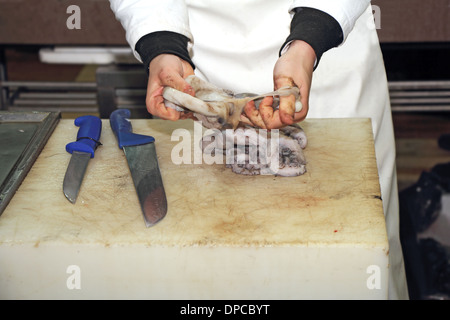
pixel 248 150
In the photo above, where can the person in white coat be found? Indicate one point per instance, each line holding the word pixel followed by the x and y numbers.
pixel 259 46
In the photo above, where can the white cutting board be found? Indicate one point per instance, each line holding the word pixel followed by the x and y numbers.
pixel 226 236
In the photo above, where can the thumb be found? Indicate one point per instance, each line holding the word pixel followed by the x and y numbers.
pixel 176 81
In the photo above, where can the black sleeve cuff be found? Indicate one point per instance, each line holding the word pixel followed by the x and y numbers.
pixel 156 43
pixel 317 28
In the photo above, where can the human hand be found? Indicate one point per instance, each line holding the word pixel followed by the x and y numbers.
pixel 167 70
pixel 294 68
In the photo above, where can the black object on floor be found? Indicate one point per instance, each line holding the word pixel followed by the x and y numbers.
pixel 436 269
pixel 444 141
pixel 427 265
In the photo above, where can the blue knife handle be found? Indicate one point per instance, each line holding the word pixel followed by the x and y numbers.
pixel 121 126
pixel 88 135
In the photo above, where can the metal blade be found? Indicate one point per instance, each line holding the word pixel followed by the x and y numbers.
pixel 74 174
pixel 146 175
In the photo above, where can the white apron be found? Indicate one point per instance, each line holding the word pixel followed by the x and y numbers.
pixel 350 81
pixel 236 45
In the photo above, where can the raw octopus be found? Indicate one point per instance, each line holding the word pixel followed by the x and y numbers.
pixel 248 150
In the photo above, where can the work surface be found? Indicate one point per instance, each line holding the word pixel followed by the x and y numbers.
pixel 231 230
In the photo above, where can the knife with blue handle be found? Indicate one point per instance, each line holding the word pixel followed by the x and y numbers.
pixel 143 164
pixel 82 151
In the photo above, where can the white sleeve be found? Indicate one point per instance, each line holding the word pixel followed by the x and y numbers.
pixel 346 12
pixel 141 17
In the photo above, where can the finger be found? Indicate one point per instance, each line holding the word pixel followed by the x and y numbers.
pixel 301 115
pixel 176 81
pixel 155 105
pixel 287 109
pixel 270 116
pixel 187 115
pixel 253 115
pixel 287 103
pixel 161 111
pixel 245 120
pixel 304 99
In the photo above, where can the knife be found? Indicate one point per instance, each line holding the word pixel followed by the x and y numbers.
pixel 140 152
pixel 82 151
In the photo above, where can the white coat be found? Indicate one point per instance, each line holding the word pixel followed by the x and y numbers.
pixel 235 44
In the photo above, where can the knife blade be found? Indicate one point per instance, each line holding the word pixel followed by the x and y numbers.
pixel 140 153
pixel 82 151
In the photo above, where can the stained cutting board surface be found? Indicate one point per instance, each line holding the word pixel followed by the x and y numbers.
pixel 335 203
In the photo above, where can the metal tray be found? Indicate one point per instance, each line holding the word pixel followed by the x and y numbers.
pixel 23 135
